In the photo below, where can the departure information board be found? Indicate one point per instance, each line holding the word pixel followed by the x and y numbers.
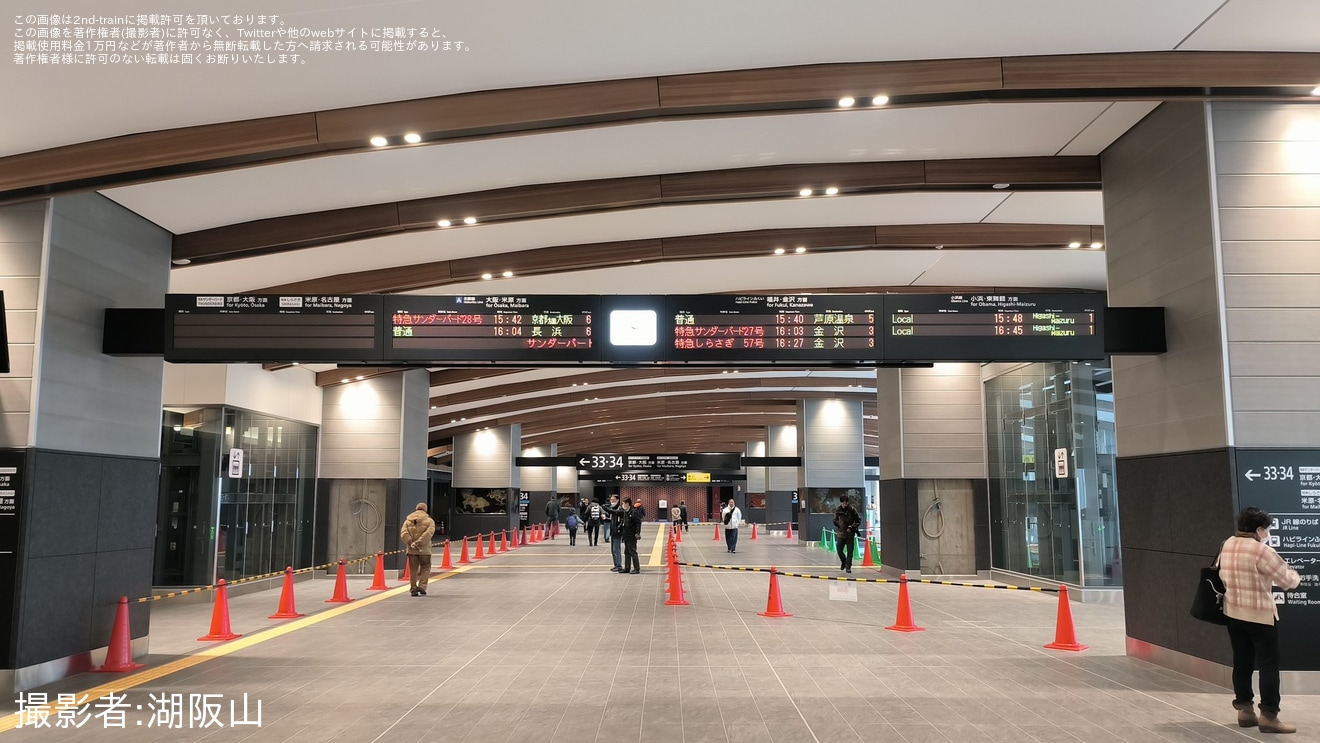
pixel 526 329
pixel 270 327
pixel 796 328
pixel 993 327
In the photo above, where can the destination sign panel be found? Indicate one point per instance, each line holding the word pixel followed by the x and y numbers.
pixel 993 327
pixel 660 462
pixel 524 329
pixel 269 327
pixel 797 328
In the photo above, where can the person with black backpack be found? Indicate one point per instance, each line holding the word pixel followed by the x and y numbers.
pixel 594 516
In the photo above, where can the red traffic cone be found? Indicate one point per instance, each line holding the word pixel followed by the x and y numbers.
pixel 220 616
pixel 535 533
pixel 790 531
pixel 678 534
pixel 119 655
pixel 717 533
pixel 407 570
pixel 463 557
pixel 378 582
pixel 675 587
pixel 753 532
pixel 867 562
pixel 903 622
pixel 481 552
pixel 492 551
pixel 446 562
pixel 773 606
pixel 341 587
pixel 1064 637
pixel 286 610
pixel 504 543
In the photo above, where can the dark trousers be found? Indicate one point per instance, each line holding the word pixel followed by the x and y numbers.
pixel 1255 646
pixel 630 555
pixel 593 533
pixel 845 546
pixel 550 524
pixel 684 520
pixel 731 539
pixel 616 550
pixel 572 537
pixel 419 572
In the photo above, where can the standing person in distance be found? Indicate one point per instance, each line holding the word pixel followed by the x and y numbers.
pixel 846 523
pixel 675 517
pixel 594 514
pixel 416 534
pixel 732 517
pixel 632 529
pixel 682 513
pixel 572 524
pixel 1249 567
pixel 552 515
pixel 614 530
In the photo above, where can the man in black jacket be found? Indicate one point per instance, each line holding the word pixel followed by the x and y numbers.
pixel 846 523
pixel 616 516
pixel 632 529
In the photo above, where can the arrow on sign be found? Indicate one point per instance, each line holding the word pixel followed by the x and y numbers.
pixel 1252 475
pixel 582 462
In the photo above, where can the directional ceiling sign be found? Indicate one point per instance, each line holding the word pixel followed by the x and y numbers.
pixel 660 462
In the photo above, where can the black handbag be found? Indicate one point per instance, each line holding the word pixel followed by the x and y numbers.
pixel 1208 601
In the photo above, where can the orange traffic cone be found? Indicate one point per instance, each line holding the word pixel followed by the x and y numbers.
pixel 773 606
pixel 1064 637
pixel 341 587
pixel 119 655
pixel 220 616
pixel 790 531
pixel 717 533
pixel 675 586
pixel 492 551
pixel 536 533
pixel 378 582
pixel 407 570
pixel 504 544
pixel 446 563
pixel 286 609
pixel 481 552
pixel 463 558
pixel 903 623
pixel 753 532
pixel 867 562
pixel 678 534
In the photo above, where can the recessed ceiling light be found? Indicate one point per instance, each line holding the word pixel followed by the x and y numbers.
pixel 831 191
pixel 469 220
pixel 345 381
pixel 360 378
pixel 1001 186
pixel 181 261
pixel 880 100
pixel 939 247
pixel 444 223
pixel 379 141
pixel 487 276
pixel 799 249
pixel 779 251
pixel 412 137
pixel 1074 245
pixel 1097 246
pixel 1315 90
pixel 804 192
pixel 846 101
pixel 508 274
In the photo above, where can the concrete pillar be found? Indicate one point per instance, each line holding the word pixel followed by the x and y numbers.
pixel 1211 212
pixel 487 481
pixel 755 511
pixel 932 448
pixel 781 483
pixel 539 483
pixel 831 445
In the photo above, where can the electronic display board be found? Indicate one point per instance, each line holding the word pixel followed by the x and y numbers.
pixel 993 327
pixel 525 329
pixel 271 327
pixel 792 328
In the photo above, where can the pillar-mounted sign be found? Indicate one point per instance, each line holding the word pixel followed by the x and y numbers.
pixel 1060 463
pixel 235 462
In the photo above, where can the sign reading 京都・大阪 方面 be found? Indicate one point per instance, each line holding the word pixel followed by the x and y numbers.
pixel 487 328
pixel 218 328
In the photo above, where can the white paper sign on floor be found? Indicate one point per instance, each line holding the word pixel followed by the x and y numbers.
pixel 843 591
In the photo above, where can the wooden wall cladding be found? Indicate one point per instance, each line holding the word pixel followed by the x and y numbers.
pixel 549 260
pixel 1137 70
pixel 288 233
pixel 787 180
pixel 525 202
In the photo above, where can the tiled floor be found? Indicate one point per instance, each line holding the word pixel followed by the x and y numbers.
pixel 545 644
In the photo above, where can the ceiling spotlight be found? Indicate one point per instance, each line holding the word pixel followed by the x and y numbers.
pixel 846 101
pixel 1001 186
pixel 880 100
pixel 779 251
pixel 1097 246
pixel 1074 245
pixel 487 276
pixel 799 249
pixel 345 381
pixel 469 220
pixel 360 378
pixel 412 137
pixel 433 407
pixel 804 192
pixel 181 261
pixel 508 274
pixel 1315 90
pixel 444 223
pixel 379 141
pixel 939 247
pixel 831 191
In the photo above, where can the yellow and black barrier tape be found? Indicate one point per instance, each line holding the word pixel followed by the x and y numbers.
pixel 850 579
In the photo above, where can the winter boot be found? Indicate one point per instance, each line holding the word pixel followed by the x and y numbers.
pixel 1246 714
pixel 1269 723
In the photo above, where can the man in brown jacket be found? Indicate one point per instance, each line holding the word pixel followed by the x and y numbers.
pixel 416 536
